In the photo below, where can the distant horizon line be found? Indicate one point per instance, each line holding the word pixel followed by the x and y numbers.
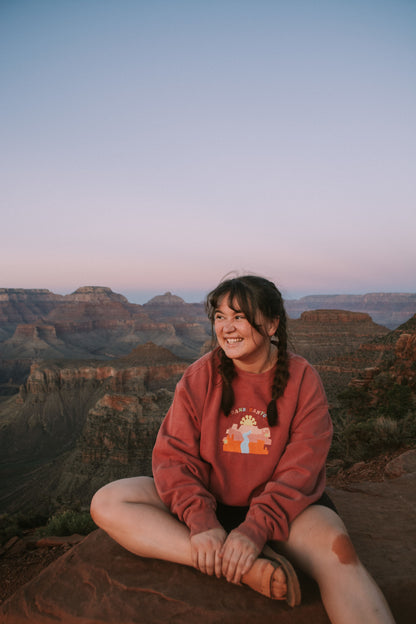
pixel 189 295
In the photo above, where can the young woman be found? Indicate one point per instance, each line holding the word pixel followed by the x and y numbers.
pixel 239 468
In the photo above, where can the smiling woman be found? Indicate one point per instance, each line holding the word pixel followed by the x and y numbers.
pixel 239 468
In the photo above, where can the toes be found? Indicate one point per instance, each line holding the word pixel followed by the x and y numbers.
pixel 279 576
pixel 279 585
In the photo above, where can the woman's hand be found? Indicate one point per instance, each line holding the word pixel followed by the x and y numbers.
pixel 238 555
pixel 206 548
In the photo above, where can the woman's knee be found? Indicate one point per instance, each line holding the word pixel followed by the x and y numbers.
pixel 319 540
pixel 107 500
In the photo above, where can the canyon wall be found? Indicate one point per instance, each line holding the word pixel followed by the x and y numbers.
pixel 73 427
pixel 97 375
pixel 388 309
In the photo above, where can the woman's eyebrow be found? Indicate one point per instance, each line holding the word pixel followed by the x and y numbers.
pixel 219 311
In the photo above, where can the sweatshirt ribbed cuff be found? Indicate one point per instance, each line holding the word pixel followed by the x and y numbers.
pixel 201 520
pixel 254 533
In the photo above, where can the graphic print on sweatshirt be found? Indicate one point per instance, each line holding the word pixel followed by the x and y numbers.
pixel 246 436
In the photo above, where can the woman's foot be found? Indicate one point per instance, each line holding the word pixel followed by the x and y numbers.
pixel 274 576
pixel 268 578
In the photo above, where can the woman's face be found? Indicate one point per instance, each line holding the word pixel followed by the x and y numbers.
pixel 248 348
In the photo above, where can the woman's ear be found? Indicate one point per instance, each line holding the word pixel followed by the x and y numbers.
pixel 272 326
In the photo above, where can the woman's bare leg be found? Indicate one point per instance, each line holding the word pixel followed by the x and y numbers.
pixel 131 512
pixel 319 544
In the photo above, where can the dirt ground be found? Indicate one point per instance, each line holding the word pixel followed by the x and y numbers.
pixel 23 561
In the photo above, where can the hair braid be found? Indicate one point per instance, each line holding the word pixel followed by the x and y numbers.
pixel 227 372
pixel 281 375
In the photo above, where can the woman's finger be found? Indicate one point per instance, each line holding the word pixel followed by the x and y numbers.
pixel 218 565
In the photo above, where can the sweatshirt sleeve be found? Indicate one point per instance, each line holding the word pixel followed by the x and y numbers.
pixel 299 477
pixel 180 475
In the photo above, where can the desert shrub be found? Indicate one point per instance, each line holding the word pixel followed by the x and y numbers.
pixel 395 401
pixel 360 440
pixel 356 400
pixel 67 523
pixel 368 438
pixel 9 527
pixel 15 524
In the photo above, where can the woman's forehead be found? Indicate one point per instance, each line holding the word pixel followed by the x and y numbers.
pixel 227 301
pixel 233 302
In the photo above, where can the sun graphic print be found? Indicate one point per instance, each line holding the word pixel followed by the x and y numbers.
pixel 247 438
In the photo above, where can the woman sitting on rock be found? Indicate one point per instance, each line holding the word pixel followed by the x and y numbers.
pixel 239 468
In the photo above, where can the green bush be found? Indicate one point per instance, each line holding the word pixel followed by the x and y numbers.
pixel 356 400
pixel 395 401
pixel 15 524
pixel 67 523
pixel 361 440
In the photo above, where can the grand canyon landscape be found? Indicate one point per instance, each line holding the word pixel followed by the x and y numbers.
pixel 86 378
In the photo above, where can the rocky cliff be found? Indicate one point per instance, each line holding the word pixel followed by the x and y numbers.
pixel 388 309
pixel 394 366
pixel 98 581
pixel 74 421
pixel 375 408
pixel 93 420
pixel 323 334
pixel 95 322
pixel 92 322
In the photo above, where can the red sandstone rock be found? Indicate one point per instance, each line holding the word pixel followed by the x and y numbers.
pixel 54 540
pixel 404 463
pixel 98 582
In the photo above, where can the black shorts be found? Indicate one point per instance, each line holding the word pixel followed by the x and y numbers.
pixel 231 517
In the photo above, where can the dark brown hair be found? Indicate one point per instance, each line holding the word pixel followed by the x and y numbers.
pixel 253 294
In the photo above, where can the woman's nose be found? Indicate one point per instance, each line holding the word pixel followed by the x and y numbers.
pixel 229 326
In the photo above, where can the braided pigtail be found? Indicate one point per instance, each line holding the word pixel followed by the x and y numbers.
pixel 227 372
pixel 281 375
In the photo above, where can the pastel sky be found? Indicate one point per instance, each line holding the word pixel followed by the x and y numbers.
pixel 159 144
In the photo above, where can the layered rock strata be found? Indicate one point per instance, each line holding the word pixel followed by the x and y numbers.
pixel 83 423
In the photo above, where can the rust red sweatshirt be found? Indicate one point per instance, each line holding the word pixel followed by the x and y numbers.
pixel 202 456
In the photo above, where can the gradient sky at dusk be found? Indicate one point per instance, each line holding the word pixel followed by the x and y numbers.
pixel 157 145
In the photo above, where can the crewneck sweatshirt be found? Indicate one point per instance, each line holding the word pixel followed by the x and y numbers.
pixel 202 456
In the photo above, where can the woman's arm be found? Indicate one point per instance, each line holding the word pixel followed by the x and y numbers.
pixel 181 476
pixel 299 477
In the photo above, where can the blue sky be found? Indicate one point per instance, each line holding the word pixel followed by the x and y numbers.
pixel 158 145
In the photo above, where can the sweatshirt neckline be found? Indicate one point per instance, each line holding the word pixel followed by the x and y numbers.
pixel 248 374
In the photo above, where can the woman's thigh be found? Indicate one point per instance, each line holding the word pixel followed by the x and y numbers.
pixel 131 490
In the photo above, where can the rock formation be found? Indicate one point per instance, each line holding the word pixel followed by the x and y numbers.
pixel 166 299
pixel 98 581
pixel 75 425
pixel 388 309
pixel 95 322
pixel 49 430
pixel 323 334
